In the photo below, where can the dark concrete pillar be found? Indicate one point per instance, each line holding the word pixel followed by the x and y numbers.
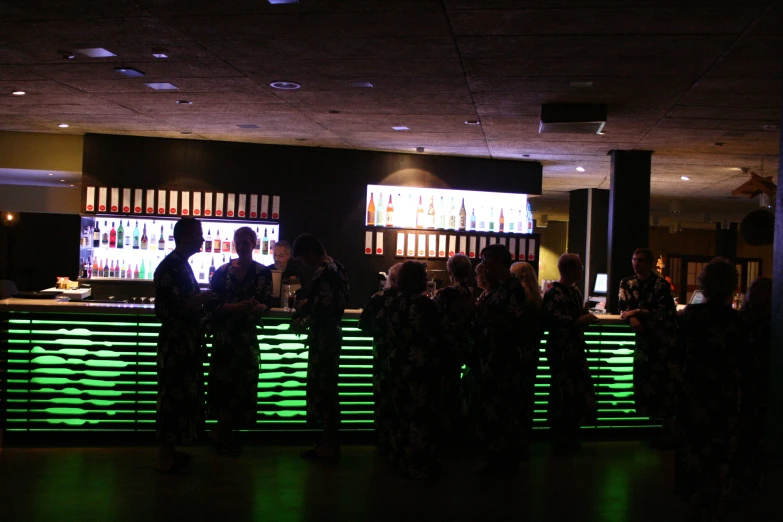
pixel 726 241
pixel 588 219
pixel 776 350
pixel 629 215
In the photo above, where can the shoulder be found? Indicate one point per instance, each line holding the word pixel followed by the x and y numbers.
pixel 261 269
pixel 628 281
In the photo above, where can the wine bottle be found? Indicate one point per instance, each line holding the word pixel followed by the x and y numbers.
pixel 452 216
pixel 120 235
pixel 105 268
pixel 473 219
pixel 511 223
pixel 390 213
pixel 201 272
pixel 441 215
pixel 96 235
pixel 136 272
pixel 233 246
pixel 521 225
pixel 170 242
pixel 142 272
pixel 105 236
pixel 371 212
pixel 208 242
pixel 161 241
pixel 482 223
pixel 491 219
pixel 129 274
pixel 420 214
pixel 257 248
pixel 431 214
pixel 463 216
pixel 144 240
pixel 122 270
pixel 272 242
pixel 95 267
pixel 152 245
pixel 265 244
pixel 212 269
pixel 380 214
pixel 226 245
pixel 502 221
pixel 128 235
pixel 216 246
pixel 529 219
pixel 136 236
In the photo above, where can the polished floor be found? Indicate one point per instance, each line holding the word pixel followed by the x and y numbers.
pixel 608 481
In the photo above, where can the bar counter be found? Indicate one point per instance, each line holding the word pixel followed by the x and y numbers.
pixel 91 366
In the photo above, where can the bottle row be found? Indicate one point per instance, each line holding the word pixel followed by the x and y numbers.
pixel 424 245
pixel 409 214
pixel 181 203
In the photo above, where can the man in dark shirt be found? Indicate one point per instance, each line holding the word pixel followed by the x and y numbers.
pixel 292 270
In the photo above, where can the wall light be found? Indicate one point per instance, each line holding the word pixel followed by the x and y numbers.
pixel 10 219
pixel 63 125
pixel 580 169
pixel 685 178
pixel 18 93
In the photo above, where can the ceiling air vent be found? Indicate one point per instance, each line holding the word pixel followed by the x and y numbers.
pixel 572 118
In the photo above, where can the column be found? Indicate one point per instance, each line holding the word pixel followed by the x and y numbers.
pixel 588 217
pixel 629 215
pixel 776 350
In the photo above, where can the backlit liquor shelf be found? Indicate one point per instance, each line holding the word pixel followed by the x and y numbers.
pixel 82 366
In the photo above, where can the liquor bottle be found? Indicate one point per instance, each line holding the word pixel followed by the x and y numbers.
pixel 511 223
pixel 272 242
pixel 144 240
pixel 120 235
pixel 113 236
pixel 482 223
pixel 502 221
pixel 129 273
pixel 201 272
pixel 95 267
pixel 136 236
pixel 431 214
pixel 89 268
pixel 463 216
pixel 529 219
pixel 226 245
pixel 112 271
pixel 371 212
pixel 380 214
pixel 521 225
pixel 257 248
pixel 128 235
pixel 142 272
pixel 105 236
pixel 105 268
pixel 452 216
pixel 212 269
pixel 96 235
pixel 136 272
pixel 122 270
pixel 441 215
pixel 473 219
pixel 216 246
pixel 208 242
pixel 265 245
pixel 82 268
pixel 152 245
pixel 233 246
pixel 491 219
pixel 390 213
pixel 161 241
pixel 420 214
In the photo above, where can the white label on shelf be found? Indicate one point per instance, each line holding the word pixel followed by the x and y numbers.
pixel 264 210
pixel 207 204
pixel 253 206
pixel 432 247
pixel 197 203
pixel 522 248
pixel 512 247
pixel 275 207
pixel 89 205
pixel 102 195
pixel 185 203
pixel 452 245
pixel 502 241
pixel 421 246
pixel 368 242
pixel 219 201
pixel 242 204
pixel 126 200
pixel 150 208
pixel 400 244
pixel 442 245
pixel 161 201
pixel 231 207
pixel 379 243
pixel 493 240
pixel 463 245
pixel 115 200
pixel 138 202
pixel 411 252
pixel 531 249
pixel 482 244
pixel 472 248
pixel 173 196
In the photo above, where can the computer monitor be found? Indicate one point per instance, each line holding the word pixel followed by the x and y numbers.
pixel 601 281
pixel 697 297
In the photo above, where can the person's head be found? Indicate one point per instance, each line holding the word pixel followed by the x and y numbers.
pixel 570 268
pixel 392 279
pixel 412 278
pixel 759 296
pixel 718 280
pixel 527 275
pixel 308 249
pixel 281 254
pixel 497 260
pixel 481 277
pixel 458 267
pixel 188 235
pixel 643 262
pixel 245 241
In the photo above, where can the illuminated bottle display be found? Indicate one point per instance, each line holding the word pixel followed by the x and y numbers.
pixel 136 236
pixel 96 235
pixel 144 240
pixel 208 242
pixel 161 241
pixel 371 212
pixel 120 235
pixel 390 213
pixel 113 236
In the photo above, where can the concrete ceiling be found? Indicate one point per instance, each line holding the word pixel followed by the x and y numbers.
pixel 698 83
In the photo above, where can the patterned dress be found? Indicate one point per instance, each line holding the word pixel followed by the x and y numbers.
pixel 373 321
pixel 181 353
pixel 507 359
pixel 322 314
pixel 713 339
pixel 233 371
pixel 656 371
pixel 417 353
pixel 571 394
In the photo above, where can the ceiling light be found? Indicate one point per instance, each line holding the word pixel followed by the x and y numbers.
pixel 419 149
pixel 248 126
pixel 274 2
pixel 580 169
pixel 472 122
pixel 129 71
pixel 685 178
pixel 361 84
pixel 184 102
pixel 735 168
pixel 72 185
pixel 18 93
pixel 161 86
pixel 285 86
pixel 62 181
pixel 51 174
pixel 160 55
pixel 601 133
pixel 400 128
pixel 63 125
pixel 96 52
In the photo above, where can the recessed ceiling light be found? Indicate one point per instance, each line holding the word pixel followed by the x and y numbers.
pixel 248 126
pixel 161 86
pixel 96 52
pixel 400 128
pixel 51 174
pixel 285 86
pixel 62 181
pixel 601 133
pixel 419 149
pixel 685 178
pixel 72 185
pixel 184 102
pixel 361 84
pixel 18 93
pixel 274 2
pixel 472 122
pixel 735 168
pixel 129 71
pixel 580 169
pixel 63 125
pixel 160 55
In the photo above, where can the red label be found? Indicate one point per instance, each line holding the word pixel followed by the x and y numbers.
pixel 472 254
pixel 218 213
pixel 252 214
pixel 368 250
pixel 149 210
pixel 137 209
pixel 172 210
pixel 185 212
pixel 161 210
pixel 399 252
pixel 207 212
pixel 89 208
pixel 102 208
pixel 126 209
pixel 114 209
pixel 275 215
pixel 241 213
pixel 379 250
pixel 530 257
pixel 451 253
pixel 441 253
pixel 196 212
pixel 263 215
pixel 230 213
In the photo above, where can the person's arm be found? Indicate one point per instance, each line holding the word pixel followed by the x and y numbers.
pixel 262 290
pixel 664 307
pixel 170 302
pixel 622 302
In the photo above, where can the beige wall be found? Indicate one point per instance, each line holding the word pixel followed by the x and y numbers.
pixel 35 151
pixel 50 200
pixel 554 243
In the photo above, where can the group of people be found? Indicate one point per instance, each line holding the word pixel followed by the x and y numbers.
pixel 461 368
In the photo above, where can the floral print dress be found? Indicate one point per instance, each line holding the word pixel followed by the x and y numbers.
pixel 181 353
pixel 323 313
pixel 571 393
pixel 656 370
pixel 714 342
pixel 233 369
